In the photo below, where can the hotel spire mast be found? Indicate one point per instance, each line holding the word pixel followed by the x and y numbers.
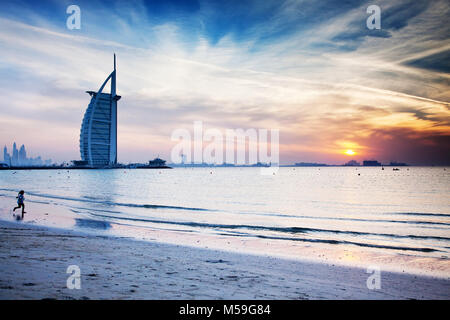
pixel 113 149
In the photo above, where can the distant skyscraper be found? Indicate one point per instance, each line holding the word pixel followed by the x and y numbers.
pixel 98 136
pixel 22 155
pixel 6 157
pixel 15 155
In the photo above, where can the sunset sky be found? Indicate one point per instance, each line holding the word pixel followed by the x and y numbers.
pixel 311 69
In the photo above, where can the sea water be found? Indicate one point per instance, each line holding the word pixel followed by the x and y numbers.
pixel 340 213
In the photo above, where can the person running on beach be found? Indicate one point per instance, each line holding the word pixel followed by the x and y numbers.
pixel 20 200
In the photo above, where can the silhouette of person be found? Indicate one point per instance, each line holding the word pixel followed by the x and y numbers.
pixel 20 200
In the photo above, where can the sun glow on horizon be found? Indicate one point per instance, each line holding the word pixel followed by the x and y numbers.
pixel 350 152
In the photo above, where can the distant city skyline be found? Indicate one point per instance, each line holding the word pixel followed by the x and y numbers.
pixel 336 90
pixel 18 157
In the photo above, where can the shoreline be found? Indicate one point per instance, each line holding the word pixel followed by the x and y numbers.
pixel 213 167
pixel 34 261
pixel 78 168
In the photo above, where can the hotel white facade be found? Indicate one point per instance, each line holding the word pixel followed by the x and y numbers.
pixel 98 136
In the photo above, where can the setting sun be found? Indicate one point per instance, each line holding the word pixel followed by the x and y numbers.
pixel 350 152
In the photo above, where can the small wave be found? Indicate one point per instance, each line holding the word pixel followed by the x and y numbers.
pixel 379 220
pixel 110 203
pixel 33 201
pixel 360 244
pixel 348 219
pixel 421 214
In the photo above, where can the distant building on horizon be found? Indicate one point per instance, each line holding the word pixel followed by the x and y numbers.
pixel 310 164
pixel 157 162
pixel 15 155
pixel 398 164
pixel 22 155
pixel 352 163
pixel 371 163
pixel 6 156
pixel 98 134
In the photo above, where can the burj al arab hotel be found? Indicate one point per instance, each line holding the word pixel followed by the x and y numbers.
pixel 98 137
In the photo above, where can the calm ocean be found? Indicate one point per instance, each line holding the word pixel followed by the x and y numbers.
pixel 397 213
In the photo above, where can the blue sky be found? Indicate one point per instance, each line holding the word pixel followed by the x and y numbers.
pixel 310 68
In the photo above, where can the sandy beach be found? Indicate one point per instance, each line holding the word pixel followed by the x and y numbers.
pixel 34 261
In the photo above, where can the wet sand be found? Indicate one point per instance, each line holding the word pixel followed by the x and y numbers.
pixel 34 261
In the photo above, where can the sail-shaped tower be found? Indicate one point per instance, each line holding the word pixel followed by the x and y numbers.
pixel 98 136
